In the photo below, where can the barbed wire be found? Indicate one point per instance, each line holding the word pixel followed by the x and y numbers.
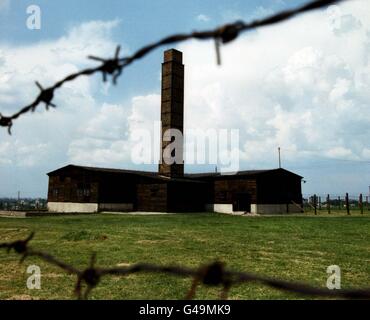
pixel 214 274
pixel 114 66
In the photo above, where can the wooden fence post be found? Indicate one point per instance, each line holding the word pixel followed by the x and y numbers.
pixel 315 203
pixel 328 203
pixel 361 204
pixel 347 204
pixel 339 206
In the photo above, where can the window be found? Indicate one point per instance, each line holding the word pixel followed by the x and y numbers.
pixel 223 196
pixel 83 190
pixel 79 193
pixel 86 192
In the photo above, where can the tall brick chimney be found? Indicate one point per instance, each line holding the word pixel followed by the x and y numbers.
pixel 172 110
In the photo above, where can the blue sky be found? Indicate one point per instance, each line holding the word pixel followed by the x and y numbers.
pixel 295 85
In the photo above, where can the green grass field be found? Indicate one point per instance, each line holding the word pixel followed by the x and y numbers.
pixel 289 247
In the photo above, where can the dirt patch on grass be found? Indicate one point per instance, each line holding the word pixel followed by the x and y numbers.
pixel 11 270
pixel 11 234
pixel 83 235
pixel 155 241
pixel 21 297
pixel 52 275
pixel 123 264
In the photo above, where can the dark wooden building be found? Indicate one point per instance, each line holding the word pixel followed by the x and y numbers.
pixel 88 189
pixel 256 191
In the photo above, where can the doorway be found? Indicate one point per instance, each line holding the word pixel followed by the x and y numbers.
pixel 242 202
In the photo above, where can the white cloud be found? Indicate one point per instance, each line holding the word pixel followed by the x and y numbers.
pixel 50 61
pixel 258 12
pixel 101 138
pixel 20 154
pixel 203 18
pixel 339 152
pixel 261 12
pixel 109 138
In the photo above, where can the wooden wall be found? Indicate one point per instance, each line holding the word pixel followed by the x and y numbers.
pixel 279 188
pixel 78 185
pixel 117 188
pixel 73 186
pixel 275 187
pixel 152 197
pixel 188 196
pixel 225 189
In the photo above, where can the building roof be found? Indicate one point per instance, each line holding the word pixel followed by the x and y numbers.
pixel 108 170
pixel 186 177
pixel 239 173
pixel 148 174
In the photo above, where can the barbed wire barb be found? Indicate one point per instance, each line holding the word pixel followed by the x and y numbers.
pixel 6 122
pixel 218 53
pixel 110 66
pixel 46 96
